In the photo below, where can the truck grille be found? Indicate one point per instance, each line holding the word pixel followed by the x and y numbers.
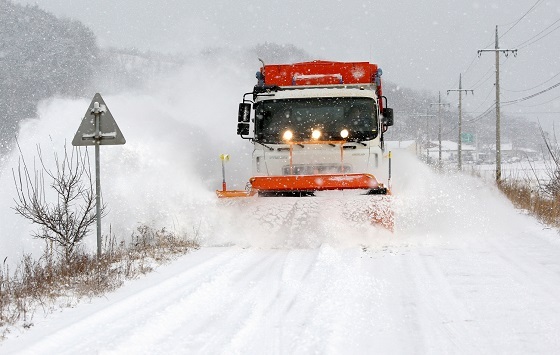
pixel 301 169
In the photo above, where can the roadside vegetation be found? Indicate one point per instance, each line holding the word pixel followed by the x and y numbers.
pixel 53 282
pixel 541 205
pixel 540 197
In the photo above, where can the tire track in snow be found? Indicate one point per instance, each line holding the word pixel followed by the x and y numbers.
pixel 274 307
pixel 442 322
pixel 190 318
pixel 524 293
pixel 319 305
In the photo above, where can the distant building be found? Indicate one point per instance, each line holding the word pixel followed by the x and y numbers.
pixel 408 145
pixel 484 154
pixel 509 153
pixel 449 151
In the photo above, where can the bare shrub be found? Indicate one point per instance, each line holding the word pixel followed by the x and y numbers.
pixel 68 220
pixel 159 243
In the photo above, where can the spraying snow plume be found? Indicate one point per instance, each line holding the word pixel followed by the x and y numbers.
pixel 166 174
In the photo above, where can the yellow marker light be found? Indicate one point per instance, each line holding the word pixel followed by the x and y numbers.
pixel 224 157
pixel 316 134
pixel 288 135
pixel 344 133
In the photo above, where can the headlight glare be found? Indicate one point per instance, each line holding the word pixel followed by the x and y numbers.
pixel 316 134
pixel 288 135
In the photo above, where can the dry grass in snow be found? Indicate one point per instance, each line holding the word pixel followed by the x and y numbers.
pixel 51 282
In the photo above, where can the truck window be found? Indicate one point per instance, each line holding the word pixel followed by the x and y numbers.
pixel 329 115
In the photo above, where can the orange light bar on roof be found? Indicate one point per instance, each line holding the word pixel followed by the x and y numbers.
pixel 319 72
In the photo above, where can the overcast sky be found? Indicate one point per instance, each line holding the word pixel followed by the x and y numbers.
pixel 419 44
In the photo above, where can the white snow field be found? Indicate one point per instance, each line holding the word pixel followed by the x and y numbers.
pixel 463 273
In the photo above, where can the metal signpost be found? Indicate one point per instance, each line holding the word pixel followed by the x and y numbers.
pixel 98 128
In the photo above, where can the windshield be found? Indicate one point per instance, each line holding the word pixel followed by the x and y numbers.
pixel 329 115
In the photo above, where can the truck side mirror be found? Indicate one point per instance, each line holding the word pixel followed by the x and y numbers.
pixel 243 118
pixel 388 116
pixel 244 112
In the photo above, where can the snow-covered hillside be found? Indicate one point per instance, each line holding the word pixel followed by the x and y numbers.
pixel 463 273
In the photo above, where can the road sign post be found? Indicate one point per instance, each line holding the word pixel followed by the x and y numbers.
pixel 98 128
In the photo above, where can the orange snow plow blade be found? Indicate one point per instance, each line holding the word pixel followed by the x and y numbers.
pixel 315 182
pixel 376 210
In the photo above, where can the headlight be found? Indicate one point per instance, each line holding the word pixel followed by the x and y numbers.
pixel 288 135
pixel 344 133
pixel 316 134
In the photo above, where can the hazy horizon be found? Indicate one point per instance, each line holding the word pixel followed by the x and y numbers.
pixel 418 46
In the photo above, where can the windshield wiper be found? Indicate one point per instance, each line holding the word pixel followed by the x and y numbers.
pixel 288 148
pixel 264 145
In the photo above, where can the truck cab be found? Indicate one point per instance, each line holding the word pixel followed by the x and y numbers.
pixel 316 118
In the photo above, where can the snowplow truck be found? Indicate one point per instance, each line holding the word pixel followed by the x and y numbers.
pixel 315 126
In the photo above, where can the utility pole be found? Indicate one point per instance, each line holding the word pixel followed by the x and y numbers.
pixel 497 50
pixel 427 134
pixel 439 104
pixel 459 150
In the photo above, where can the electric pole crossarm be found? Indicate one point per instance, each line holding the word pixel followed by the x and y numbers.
pixel 463 90
pixel 505 51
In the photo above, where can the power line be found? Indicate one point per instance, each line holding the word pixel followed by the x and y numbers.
pixel 483 76
pixel 537 3
pixel 486 77
pixel 485 99
pixel 485 113
pixel 482 115
pixel 542 103
pixel 471 120
pixel 533 95
pixel 519 113
pixel 522 17
pixel 534 87
pixel 470 65
pixel 525 44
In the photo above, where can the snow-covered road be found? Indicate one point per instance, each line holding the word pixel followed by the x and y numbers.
pixel 463 273
pixel 493 297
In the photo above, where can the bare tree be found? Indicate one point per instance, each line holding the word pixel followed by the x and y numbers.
pixel 66 221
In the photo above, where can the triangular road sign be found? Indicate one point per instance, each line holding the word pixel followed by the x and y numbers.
pixel 109 132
